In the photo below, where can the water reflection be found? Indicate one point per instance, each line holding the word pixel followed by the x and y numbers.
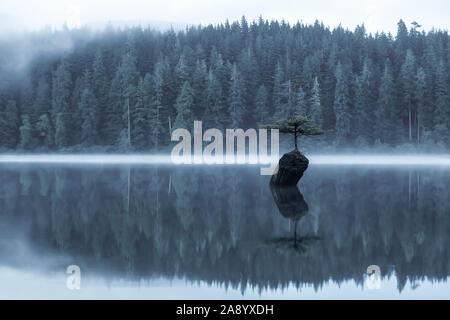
pixel 223 225
pixel 292 206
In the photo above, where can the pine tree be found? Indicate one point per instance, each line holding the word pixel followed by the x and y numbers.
pixel 181 70
pixel 161 114
pixel 289 99
pixel 236 108
pixel 301 107
pixel 42 103
pixel 9 119
pixel 200 86
pixel 249 73
pixel 442 111
pixel 365 101
pixel 407 76
pixel 26 133
pixel 122 97
pixel 329 118
pixel 101 88
pixel 261 104
pixel 88 107
pixel 61 113
pixel 423 117
pixel 214 114
pixel 154 125
pixel 45 131
pixel 61 130
pixel 341 107
pixel 184 106
pixel 278 93
pixel 140 111
pixel 316 107
pixel 384 114
pixel 298 126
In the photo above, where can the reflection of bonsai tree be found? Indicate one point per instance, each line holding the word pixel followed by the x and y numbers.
pixel 292 206
pixel 299 126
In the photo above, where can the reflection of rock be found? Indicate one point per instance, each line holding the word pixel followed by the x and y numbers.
pixel 290 169
pixel 292 206
pixel 290 202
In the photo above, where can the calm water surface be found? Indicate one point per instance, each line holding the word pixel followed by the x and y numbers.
pixel 222 233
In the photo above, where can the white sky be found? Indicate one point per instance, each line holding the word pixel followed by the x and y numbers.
pixel 376 14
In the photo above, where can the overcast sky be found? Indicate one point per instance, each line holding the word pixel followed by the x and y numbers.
pixel 376 14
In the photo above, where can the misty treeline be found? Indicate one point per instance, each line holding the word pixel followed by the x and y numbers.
pixel 128 89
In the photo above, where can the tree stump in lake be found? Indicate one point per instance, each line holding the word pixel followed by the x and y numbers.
pixel 290 169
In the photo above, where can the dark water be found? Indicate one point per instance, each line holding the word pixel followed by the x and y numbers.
pixel 220 232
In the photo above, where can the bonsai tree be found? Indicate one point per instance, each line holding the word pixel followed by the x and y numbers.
pixel 299 126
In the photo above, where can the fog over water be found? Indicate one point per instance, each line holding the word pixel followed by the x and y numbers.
pixel 328 159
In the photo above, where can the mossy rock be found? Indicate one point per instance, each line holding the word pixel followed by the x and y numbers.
pixel 290 169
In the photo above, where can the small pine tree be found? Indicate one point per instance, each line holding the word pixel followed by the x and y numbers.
pixel 299 126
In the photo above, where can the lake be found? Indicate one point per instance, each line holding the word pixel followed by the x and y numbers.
pixel 160 231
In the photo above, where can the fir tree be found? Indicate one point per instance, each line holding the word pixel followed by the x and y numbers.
pixel 45 131
pixel 101 88
pixel 341 106
pixel 184 106
pixel 213 116
pixel 298 126
pixel 301 107
pixel 88 107
pixel 26 133
pixel 408 85
pixel 384 113
pixel 316 107
pixel 140 111
pixel 61 112
pixel 261 104
pixel 236 108
pixel 9 118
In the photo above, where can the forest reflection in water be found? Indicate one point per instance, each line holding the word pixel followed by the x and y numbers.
pixel 225 225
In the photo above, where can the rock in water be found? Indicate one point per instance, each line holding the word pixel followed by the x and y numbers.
pixel 290 169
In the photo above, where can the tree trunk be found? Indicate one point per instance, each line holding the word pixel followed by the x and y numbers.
pixel 410 133
pixel 157 128
pixel 295 137
pixel 129 123
pixel 418 130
